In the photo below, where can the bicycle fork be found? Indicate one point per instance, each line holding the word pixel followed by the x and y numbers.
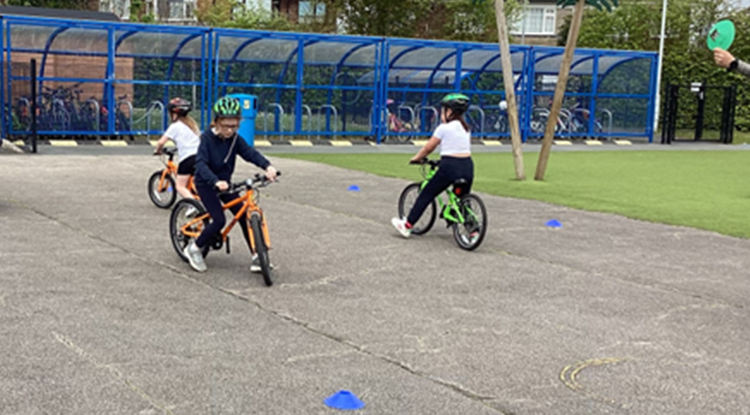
pixel 263 228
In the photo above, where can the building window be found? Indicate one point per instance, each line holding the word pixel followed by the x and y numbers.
pixel 119 7
pixel 180 10
pixel 311 11
pixel 536 20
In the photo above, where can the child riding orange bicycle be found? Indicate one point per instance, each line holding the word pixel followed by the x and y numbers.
pixel 161 184
pixel 184 132
pixel 214 166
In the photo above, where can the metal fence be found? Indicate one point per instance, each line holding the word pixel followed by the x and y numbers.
pixel 112 80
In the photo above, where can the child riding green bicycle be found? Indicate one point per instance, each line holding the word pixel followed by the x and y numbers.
pixel 463 211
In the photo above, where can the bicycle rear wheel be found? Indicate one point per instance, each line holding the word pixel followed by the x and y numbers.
pixel 179 218
pixel 470 234
pixel 261 249
pixel 163 197
pixel 406 201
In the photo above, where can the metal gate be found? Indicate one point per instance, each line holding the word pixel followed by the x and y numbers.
pixel 699 112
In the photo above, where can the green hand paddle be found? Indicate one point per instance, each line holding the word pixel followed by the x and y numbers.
pixel 721 35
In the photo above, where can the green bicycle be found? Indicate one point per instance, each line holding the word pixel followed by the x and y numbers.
pixel 464 212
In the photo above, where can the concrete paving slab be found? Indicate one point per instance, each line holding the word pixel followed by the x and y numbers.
pixel 604 315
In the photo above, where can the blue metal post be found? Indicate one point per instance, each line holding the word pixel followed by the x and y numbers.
pixel 203 83
pixel 298 95
pixel 10 82
pixel 594 91
pixel 530 78
pixel 6 111
pixel 459 64
pixel 653 90
pixel 109 83
pixel 382 89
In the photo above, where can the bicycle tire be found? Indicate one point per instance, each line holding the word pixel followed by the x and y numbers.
pixel 153 190
pixel 179 240
pixel 430 213
pixel 261 249
pixel 468 223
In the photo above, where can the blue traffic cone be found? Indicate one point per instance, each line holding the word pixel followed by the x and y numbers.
pixel 354 188
pixel 554 223
pixel 344 400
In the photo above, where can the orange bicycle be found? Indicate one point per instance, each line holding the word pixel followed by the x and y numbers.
pixel 186 223
pixel 161 184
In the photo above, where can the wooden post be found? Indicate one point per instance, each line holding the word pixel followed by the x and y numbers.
pixel 562 81
pixel 510 95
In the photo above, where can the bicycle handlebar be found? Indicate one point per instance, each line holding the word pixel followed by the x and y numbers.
pixel 433 163
pixel 249 183
pixel 167 151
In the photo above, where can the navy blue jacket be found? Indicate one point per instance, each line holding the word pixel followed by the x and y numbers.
pixel 216 157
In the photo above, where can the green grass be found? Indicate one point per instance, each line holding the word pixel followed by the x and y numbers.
pixel 702 189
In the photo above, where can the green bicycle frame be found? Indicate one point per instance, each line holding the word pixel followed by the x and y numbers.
pixel 447 209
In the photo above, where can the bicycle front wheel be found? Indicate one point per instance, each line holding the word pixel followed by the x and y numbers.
pixel 470 234
pixel 261 249
pixel 407 200
pixel 161 193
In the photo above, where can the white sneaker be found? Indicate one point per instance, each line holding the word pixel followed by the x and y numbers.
pixel 195 256
pixel 255 266
pixel 400 225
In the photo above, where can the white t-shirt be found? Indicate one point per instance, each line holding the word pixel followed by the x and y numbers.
pixel 453 138
pixel 184 138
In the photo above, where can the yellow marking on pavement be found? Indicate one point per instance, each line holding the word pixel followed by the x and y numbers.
pixel 63 143
pixel 301 143
pixel 114 143
pixel 562 143
pixel 569 375
pixel 337 143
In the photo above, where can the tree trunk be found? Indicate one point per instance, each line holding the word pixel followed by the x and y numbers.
pixel 510 94
pixel 562 82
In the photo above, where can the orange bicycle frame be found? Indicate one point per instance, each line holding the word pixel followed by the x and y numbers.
pixel 171 169
pixel 248 207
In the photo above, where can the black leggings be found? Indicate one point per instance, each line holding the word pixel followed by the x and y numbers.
pixel 210 199
pixel 449 170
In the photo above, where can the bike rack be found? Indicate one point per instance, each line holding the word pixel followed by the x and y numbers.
pixel 609 123
pixel 408 108
pixel 58 108
pixel 149 110
pixel 152 105
pixel 265 119
pixel 97 109
pixel 435 121
pixel 568 119
pixel 28 105
pixel 481 116
pixel 308 110
pixel 320 117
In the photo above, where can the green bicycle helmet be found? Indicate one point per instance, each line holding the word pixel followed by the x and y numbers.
pixel 458 103
pixel 227 107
